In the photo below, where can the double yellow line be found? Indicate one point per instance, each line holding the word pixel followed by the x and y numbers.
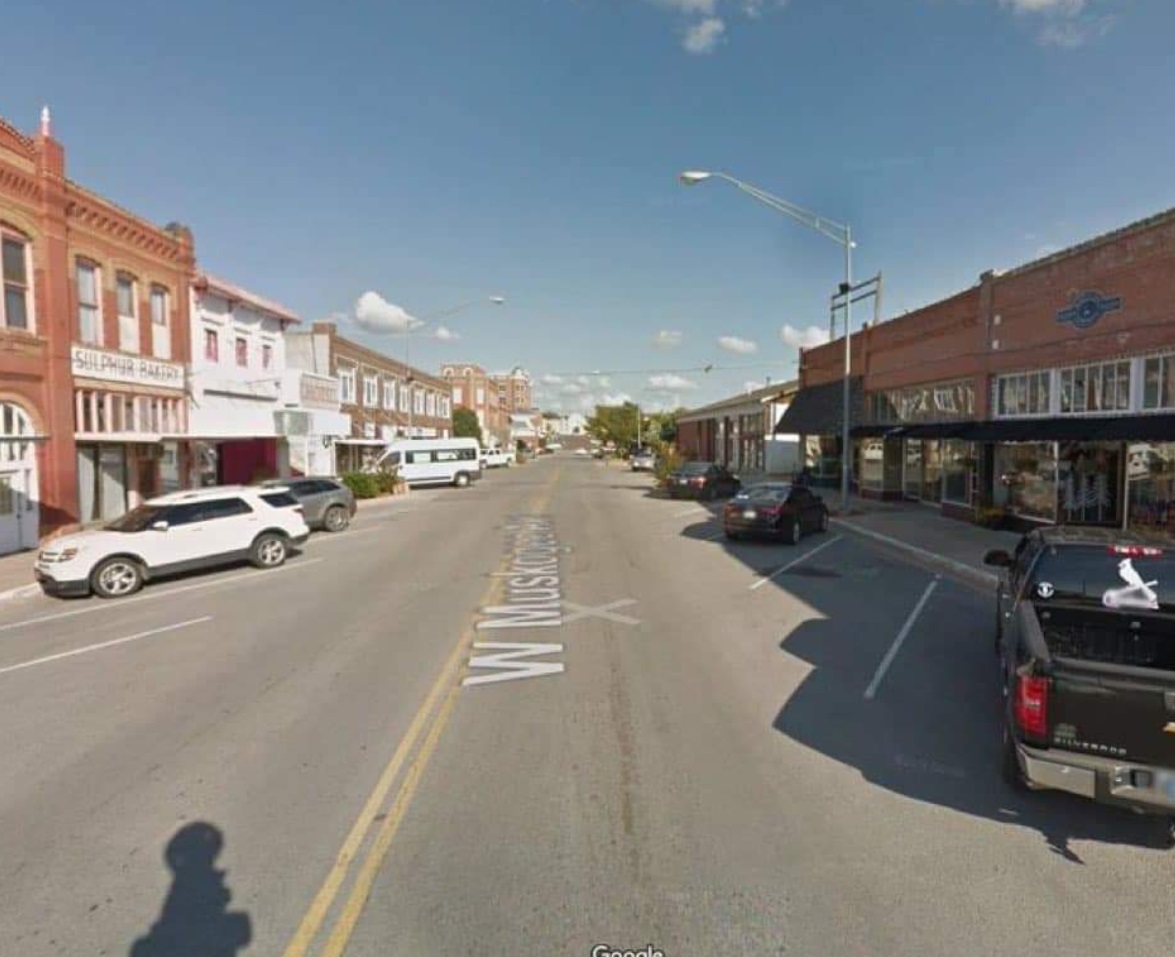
pixel 429 721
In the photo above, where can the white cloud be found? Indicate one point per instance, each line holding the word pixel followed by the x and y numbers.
pixel 1071 34
pixel 669 382
pixel 613 398
pixel 704 36
pixel 753 8
pixel 375 314
pixel 803 338
pixel 667 338
pixel 704 8
pixel 445 334
pixel 1065 7
pixel 742 347
pixel 550 379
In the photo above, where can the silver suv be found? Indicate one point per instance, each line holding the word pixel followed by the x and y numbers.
pixel 326 502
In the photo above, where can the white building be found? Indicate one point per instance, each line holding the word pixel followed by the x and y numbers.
pixel 237 369
pixel 311 422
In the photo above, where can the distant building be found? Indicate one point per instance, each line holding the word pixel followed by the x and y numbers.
pixel 384 398
pixel 738 432
pixel 473 389
pixel 515 390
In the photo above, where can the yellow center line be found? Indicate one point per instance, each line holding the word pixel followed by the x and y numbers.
pixel 449 680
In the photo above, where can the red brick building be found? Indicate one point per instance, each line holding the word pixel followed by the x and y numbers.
pixel 93 348
pixel 1047 390
pixel 474 389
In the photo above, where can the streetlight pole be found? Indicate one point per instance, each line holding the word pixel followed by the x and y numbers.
pixel 839 233
pixel 442 314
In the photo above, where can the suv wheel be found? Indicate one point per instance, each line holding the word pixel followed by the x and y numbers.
pixel 795 532
pixel 117 578
pixel 336 519
pixel 269 550
pixel 461 479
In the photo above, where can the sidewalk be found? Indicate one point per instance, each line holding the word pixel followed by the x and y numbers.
pixel 920 530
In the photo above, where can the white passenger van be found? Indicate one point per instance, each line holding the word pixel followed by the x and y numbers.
pixel 433 461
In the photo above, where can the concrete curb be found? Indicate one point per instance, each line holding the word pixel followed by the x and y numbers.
pixel 974 576
pixel 23 591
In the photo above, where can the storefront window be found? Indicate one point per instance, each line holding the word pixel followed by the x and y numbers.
pixel 1158 390
pixel 1150 473
pixel 912 474
pixel 102 482
pixel 1097 388
pixel 822 457
pixel 1087 476
pixel 871 463
pixel 1026 479
pixel 958 466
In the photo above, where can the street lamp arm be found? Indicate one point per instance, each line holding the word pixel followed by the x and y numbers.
pixel 837 232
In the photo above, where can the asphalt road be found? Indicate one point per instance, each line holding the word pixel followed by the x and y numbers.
pixel 703 747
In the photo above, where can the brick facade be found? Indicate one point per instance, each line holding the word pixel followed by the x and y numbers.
pixel 59 223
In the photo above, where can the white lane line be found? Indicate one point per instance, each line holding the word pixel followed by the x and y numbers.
pixel 795 561
pixel 899 640
pixel 106 644
pixel 154 595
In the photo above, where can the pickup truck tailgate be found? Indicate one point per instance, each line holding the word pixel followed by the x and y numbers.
pixel 1113 683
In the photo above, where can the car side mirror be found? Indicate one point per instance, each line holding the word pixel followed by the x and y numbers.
pixel 160 526
pixel 997 557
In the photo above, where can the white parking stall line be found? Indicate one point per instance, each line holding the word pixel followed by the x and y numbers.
pixel 890 655
pixel 156 595
pixel 795 561
pixel 105 644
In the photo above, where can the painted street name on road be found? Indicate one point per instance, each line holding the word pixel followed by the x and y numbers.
pixel 534 599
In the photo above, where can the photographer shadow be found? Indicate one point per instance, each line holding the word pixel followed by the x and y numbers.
pixel 195 920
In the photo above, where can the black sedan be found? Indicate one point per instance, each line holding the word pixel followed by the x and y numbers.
pixel 702 480
pixel 775 510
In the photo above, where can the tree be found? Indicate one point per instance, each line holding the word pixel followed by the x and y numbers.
pixel 614 423
pixel 465 424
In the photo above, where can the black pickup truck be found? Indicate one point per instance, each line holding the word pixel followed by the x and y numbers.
pixel 1085 631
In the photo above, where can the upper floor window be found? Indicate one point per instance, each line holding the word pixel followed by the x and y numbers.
pixel 1024 394
pixel 432 404
pixel 445 407
pixel 266 355
pixel 1104 387
pixel 89 308
pixel 14 264
pixel 371 392
pixel 481 397
pixel 242 352
pixel 160 328
pixel 458 395
pixel 389 395
pixel 347 385
pixel 128 313
pixel 211 345
pixel 1158 382
pixel 418 401
pixel 404 398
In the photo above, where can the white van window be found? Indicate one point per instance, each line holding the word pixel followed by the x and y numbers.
pixel 418 457
pixel 466 455
pixel 446 455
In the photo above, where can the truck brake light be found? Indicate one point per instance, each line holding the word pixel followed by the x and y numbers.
pixel 1031 705
pixel 1136 551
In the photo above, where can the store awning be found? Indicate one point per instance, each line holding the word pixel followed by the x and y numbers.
pixel 1107 428
pixel 819 409
pixel 929 430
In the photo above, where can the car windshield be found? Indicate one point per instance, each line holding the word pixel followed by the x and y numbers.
pixel 137 519
pixel 766 493
pixel 1134 577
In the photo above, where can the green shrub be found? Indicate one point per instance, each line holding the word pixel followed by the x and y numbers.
pixel 362 484
pixel 386 480
pixel 668 461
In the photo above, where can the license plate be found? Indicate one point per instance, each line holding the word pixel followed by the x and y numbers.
pixel 749 513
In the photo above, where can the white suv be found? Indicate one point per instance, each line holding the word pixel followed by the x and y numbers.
pixel 182 531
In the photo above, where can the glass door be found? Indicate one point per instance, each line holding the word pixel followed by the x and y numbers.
pixel 931 471
pixel 912 471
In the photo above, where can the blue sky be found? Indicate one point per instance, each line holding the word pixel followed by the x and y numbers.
pixel 440 151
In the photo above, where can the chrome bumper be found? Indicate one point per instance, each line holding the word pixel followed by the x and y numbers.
pixel 1142 787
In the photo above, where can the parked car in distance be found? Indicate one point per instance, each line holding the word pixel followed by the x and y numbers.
pixel 434 461
pixel 178 532
pixel 775 510
pixel 702 480
pixel 326 502
pixel 496 458
pixel 643 460
pixel 1085 632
